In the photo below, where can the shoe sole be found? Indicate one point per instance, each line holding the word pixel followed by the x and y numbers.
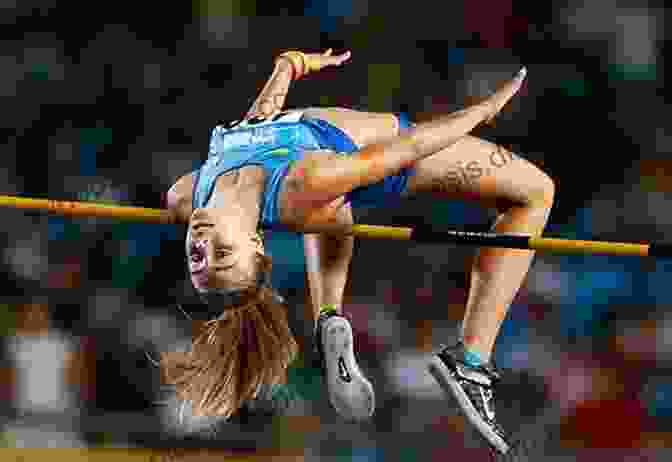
pixel 353 400
pixel 444 377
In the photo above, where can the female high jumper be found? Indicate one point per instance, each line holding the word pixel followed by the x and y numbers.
pixel 278 169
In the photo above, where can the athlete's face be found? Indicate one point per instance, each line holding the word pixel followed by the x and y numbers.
pixel 220 252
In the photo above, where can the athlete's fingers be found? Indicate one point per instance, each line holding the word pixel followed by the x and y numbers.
pixel 338 60
pixel 327 59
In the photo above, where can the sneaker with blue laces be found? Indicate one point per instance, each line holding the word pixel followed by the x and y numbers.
pixel 474 390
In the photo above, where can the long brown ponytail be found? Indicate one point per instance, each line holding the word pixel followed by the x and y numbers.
pixel 231 356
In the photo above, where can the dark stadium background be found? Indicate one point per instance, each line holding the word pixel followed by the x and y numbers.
pixel 113 101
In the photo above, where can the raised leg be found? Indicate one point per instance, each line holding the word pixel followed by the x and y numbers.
pixel 477 170
pixel 318 180
pixel 473 169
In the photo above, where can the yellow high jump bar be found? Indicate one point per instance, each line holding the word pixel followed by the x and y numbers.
pixel 423 233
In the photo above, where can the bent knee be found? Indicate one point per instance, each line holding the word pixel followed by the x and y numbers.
pixel 526 186
pixel 547 194
pixel 541 190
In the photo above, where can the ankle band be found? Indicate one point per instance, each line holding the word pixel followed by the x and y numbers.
pixel 472 358
pixel 328 308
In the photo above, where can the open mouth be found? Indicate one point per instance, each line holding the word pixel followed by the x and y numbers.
pixel 197 260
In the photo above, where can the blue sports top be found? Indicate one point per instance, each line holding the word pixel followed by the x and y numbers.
pixel 272 144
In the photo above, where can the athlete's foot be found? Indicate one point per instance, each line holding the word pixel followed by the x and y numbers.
pixel 350 393
pixel 496 102
pixel 473 389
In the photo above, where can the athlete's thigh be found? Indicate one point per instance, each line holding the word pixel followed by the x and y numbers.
pixel 475 169
pixel 362 127
pixel 301 203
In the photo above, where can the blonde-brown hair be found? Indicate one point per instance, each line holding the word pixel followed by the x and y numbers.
pixel 248 345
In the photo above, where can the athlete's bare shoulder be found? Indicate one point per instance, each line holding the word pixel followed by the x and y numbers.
pixel 178 198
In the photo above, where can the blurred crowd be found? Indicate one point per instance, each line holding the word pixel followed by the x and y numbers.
pixel 116 110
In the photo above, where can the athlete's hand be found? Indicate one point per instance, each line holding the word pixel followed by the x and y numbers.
pixel 317 61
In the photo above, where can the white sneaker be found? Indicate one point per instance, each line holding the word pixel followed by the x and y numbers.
pixel 350 393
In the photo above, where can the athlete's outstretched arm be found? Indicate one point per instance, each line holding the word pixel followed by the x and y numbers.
pixel 272 97
pixel 288 66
